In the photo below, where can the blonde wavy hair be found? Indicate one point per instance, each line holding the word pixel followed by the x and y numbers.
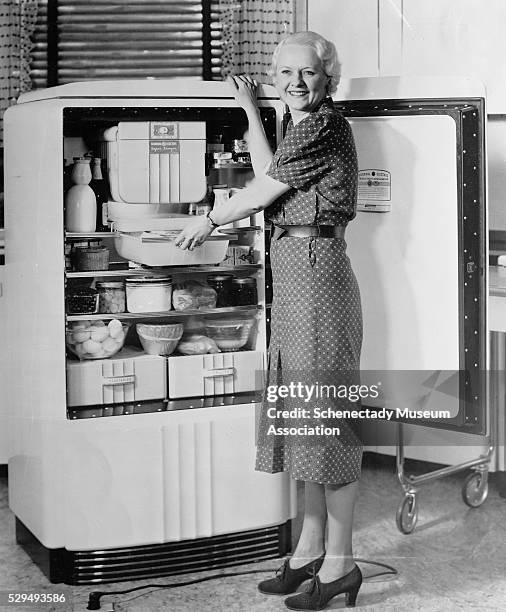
pixel 325 50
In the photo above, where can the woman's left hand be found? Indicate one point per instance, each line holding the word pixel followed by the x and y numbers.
pixel 194 234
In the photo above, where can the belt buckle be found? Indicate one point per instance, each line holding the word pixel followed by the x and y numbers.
pixel 279 232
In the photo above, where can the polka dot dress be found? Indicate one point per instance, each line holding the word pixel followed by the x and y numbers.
pixel 316 325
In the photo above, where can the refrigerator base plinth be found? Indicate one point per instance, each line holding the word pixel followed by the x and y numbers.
pixel 155 560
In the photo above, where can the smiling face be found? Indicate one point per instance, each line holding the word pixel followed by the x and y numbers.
pixel 299 79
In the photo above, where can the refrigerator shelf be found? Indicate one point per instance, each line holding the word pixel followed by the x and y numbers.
pixel 231 164
pixel 88 235
pixel 164 315
pixel 162 271
pixel 108 235
pixel 150 406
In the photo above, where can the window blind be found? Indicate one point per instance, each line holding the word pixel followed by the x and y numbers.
pixel 79 40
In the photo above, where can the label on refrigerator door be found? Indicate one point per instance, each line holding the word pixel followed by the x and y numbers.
pixel 374 190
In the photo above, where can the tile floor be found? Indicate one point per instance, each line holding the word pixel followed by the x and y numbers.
pixel 454 560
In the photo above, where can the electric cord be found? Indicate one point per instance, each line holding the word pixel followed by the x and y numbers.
pixel 95 596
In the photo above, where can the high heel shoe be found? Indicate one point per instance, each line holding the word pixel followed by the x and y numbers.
pixel 319 593
pixel 288 580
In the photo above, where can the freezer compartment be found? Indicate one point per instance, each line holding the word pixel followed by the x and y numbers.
pixel 132 376
pixel 156 161
pixel 215 374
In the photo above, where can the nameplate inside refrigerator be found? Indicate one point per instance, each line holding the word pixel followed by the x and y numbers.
pixel 159 147
pixel 374 190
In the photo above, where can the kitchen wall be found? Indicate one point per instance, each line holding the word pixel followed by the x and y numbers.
pixel 426 37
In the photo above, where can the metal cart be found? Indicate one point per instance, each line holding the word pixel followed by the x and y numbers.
pixel 474 489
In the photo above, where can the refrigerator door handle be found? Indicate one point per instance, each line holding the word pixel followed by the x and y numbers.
pixel 219 372
pixel 118 380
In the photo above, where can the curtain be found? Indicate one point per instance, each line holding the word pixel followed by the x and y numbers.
pixel 17 23
pixel 251 31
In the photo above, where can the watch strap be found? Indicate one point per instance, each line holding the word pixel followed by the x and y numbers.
pixel 211 221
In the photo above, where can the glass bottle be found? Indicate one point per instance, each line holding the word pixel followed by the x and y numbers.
pixel 80 200
pixel 101 191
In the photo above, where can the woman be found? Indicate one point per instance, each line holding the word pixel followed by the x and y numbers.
pixel 308 191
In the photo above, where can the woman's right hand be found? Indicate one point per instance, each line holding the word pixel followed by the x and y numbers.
pixel 244 89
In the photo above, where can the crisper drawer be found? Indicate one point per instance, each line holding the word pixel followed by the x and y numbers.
pixel 157 161
pixel 131 376
pixel 215 374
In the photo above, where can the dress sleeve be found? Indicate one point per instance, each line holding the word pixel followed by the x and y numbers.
pixel 305 155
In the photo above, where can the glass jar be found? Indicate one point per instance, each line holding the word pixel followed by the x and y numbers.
pixel 111 296
pixel 222 284
pixel 148 294
pixel 244 291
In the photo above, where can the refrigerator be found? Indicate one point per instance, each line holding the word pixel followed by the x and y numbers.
pixel 134 485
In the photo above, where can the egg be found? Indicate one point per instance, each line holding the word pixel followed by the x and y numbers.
pixel 120 338
pixel 79 350
pixel 81 325
pixel 110 346
pixel 98 334
pixel 92 347
pixel 80 335
pixel 115 329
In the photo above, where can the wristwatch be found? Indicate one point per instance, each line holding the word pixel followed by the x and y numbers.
pixel 211 221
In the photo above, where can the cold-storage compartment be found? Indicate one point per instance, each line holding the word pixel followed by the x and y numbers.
pixel 215 374
pixel 132 376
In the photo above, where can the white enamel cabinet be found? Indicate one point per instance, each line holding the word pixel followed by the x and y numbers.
pixel 102 477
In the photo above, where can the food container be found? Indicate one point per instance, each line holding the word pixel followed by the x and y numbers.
pixel 150 241
pixel 96 339
pixel 148 294
pixel 229 334
pixel 191 294
pixel 240 146
pixel 81 300
pixel 159 339
pixel 222 284
pixel 91 258
pixel 111 296
pixel 244 291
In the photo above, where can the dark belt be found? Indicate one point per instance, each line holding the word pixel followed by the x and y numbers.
pixel 308 231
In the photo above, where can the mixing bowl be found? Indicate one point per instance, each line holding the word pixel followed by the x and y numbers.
pixel 229 334
pixel 159 339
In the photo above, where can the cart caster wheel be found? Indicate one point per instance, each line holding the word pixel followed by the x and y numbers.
pixel 407 514
pixel 475 489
